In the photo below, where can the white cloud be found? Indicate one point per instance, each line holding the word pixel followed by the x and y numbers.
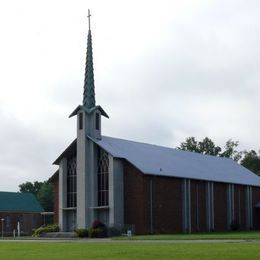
pixel 173 69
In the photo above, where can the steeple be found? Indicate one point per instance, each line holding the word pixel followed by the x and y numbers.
pixel 89 103
pixel 89 86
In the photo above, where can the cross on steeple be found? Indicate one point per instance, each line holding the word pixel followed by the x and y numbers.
pixel 89 102
pixel 89 15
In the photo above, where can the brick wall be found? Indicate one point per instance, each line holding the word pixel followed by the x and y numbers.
pixel 162 213
pixel 239 205
pixel 136 207
pixel 55 182
pixel 166 209
pixel 220 206
pixel 167 204
pixel 256 211
pixel 198 206
pixel 28 221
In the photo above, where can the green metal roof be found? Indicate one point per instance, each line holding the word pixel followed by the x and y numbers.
pixel 89 111
pixel 19 202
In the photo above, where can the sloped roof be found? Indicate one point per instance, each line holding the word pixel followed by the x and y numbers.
pixel 19 202
pixel 69 151
pixel 54 176
pixel 163 161
pixel 89 110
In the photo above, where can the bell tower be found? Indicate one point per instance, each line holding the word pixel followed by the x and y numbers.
pixel 88 125
pixel 89 114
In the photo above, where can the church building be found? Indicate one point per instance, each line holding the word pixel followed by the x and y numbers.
pixel 151 188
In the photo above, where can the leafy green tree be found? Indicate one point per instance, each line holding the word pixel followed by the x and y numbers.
pixel 32 187
pixel 190 144
pixel 230 150
pixel 45 196
pixel 251 161
pixel 43 191
pixel 207 146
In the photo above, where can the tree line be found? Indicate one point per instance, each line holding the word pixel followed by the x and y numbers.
pixel 249 159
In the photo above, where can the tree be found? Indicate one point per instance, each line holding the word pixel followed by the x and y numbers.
pixel 31 187
pixel 190 144
pixel 251 161
pixel 207 146
pixel 45 196
pixel 230 150
pixel 43 191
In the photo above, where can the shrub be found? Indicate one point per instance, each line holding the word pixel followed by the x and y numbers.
pixel 82 232
pixel 98 229
pixel 98 224
pixel 46 229
pixel 97 233
pixel 38 231
pixel 113 232
pixel 234 225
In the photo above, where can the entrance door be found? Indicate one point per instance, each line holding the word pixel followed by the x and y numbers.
pixel 71 220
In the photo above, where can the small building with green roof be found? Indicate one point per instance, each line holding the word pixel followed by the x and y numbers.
pixel 20 207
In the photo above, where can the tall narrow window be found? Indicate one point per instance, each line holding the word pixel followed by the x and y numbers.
pixel 72 183
pixel 103 164
pixel 97 121
pixel 80 121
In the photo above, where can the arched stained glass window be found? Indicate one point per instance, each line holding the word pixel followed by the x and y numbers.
pixel 103 167
pixel 72 183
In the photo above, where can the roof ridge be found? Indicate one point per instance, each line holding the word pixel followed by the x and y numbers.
pixel 170 148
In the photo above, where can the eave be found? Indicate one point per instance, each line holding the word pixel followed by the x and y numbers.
pixel 89 111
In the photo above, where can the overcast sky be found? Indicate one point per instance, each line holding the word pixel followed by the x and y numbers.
pixel 164 71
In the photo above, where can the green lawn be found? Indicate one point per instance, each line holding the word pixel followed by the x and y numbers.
pixel 249 235
pixel 128 250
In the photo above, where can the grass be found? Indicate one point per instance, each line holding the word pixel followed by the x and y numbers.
pixel 236 235
pixel 128 250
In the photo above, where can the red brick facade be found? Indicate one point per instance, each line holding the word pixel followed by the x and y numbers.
pixel 220 206
pixel 198 206
pixel 136 203
pixel 166 214
pixel 167 206
pixel 256 211
pixel 240 205
pixel 55 182
pixel 154 204
pixel 28 222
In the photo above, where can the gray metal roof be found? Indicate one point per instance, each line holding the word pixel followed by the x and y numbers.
pixel 69 151
pixel 163 161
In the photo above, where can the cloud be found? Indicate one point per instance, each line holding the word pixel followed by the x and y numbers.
pixel 163 71
pixel 26 152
